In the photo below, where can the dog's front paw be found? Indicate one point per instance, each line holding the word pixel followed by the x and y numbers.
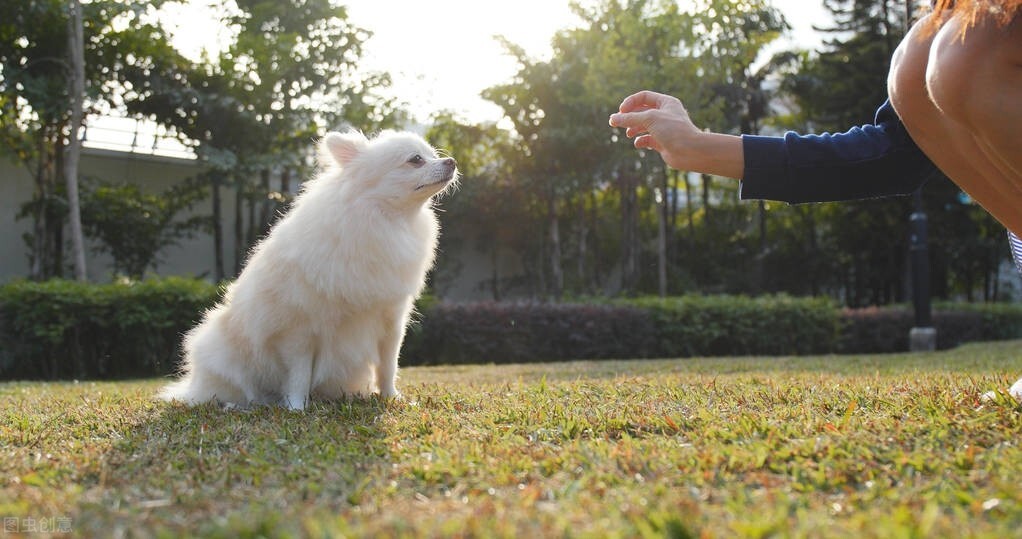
pixel 1016 389
pixel 294 402
pixel 392 394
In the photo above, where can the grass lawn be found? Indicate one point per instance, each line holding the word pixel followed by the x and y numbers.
pixel 864 446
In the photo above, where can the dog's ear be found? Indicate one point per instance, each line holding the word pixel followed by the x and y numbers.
pixel 341 148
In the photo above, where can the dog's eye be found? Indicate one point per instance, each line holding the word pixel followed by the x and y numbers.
pixel 416 160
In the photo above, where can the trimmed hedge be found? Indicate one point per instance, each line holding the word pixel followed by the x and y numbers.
pixel 673 327
pixel 69 330
pixel 452 333
pixel 876 330
pixel 736 325
pixel 65 330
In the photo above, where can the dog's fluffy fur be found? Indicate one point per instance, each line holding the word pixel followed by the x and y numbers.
pixel 322 304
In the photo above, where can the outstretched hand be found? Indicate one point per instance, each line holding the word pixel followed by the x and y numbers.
pixel 657 122
pixel 660 122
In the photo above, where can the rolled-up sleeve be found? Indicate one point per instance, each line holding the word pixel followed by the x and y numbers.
pixel 864 162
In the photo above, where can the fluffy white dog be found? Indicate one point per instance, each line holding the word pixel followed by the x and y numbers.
pixel 322 304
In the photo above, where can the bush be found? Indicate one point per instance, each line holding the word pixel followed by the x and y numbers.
pixel 527 332
pixel 689 326
pixel 883 330
pixel 65 329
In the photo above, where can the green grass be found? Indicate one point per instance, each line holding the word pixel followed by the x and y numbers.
pixel 866 446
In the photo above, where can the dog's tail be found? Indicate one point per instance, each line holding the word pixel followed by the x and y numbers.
pixel 179 390
pixel 202 387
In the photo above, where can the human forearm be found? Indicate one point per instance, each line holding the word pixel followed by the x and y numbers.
pixel 714 153
pixel 660 122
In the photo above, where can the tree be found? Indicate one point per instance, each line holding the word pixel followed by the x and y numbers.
pixel 490 209
pixel 639 44
pixel 253 110
pixel 35 112
pixel 133 227
pixel 867 240
pixel 576 167
pixel 732 38
pixel 559 111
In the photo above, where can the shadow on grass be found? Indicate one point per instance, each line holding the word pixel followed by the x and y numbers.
pixel 246 471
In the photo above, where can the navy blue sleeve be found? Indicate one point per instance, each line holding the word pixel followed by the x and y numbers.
pixel 865 162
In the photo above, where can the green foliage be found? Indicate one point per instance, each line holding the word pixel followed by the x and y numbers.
pixel 290 74
pixel 133 227
pixel 62 329
pixel 684 326
pixel 736 325
pixel 65 329
pixel 34 105
pixel 873 330
pixel 241 123
pixel 567 160
pixel 528 332
pixel 489 199
pixel 586 206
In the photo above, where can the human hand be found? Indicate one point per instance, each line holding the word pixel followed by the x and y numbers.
pixel 660 122
pixel 657 122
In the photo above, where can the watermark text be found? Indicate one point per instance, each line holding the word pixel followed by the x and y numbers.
pixel 26 525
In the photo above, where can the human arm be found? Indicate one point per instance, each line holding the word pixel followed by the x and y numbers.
pixel 873 160
pixel 869 161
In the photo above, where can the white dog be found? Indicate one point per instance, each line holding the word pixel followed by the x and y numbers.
pixel 322 304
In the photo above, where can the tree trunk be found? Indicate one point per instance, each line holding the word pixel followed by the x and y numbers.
pixel 594 217
pixel 36 270
pixel 663 219
pixel 689 208
pixel 218 233
pixel 759 282
pixel 251 231
pixel 265 206
pixel 629 264
pixel 285 181
pixel 707 185
pixel 661 243
pixel 556 272
pixel 583 248
pixel 77 93
pixel 54 221
pixel 239 225
pixel 672 223
pixel 495 264
pixel 814 252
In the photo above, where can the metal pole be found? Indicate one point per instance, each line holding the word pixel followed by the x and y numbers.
pixel 922 337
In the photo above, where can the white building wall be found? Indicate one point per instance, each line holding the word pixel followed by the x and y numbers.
pixel 194 257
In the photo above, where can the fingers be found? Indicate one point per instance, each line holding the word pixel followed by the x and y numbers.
pixel 630 120
pixel 644 100
pixel 632 132
pixel 646 142
pixel 634 110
